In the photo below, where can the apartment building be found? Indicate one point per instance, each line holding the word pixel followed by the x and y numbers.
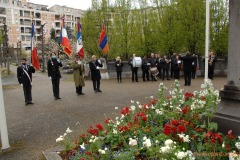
pixel 18 15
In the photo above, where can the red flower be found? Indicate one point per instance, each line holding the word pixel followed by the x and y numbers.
pixel 169 97
pixel 208 134
pixel 99 127
pixel 217 137
pixel 107 121
pixel 185 110
pixel 125 111
pixel 92 131
pixel 203 98
pixel 181 129
pixel 154 101
pixel 174 122
pixel 88 153
pixel 81 158
pixel 188 95
pixel 167 129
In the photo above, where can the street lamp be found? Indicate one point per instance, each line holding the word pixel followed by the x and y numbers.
pixel 43 58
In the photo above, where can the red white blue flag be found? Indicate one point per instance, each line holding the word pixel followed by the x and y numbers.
pixel 79 46
pixel 34 55
pixel 103 41
pixel 64 41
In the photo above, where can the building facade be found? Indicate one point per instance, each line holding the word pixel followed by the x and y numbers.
pixel 18 15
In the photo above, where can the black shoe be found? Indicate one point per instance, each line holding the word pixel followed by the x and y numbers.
pixel 189 84
pixel 58 98
pixel 30 103
pixel 96 91
pixel 81 93
pixel 26 104
pixel 185 84
pixel 99 90
pixel 55 98
pixel 168 79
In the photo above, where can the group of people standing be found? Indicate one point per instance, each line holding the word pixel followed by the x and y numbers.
pixel 25 71
pixel 155 67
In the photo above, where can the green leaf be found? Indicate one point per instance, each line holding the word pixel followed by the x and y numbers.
pixel 213 126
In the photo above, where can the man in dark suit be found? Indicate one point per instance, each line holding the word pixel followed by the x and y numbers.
pixel 54 74
pixel 94 66
pixel 24 75
pixel 187 67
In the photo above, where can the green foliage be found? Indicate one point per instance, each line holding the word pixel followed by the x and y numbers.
pixel 160 26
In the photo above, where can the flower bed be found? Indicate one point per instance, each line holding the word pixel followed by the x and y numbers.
pixel 178 126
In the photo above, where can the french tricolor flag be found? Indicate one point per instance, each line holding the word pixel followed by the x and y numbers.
pixel 80 50
pixel 64 41
pixel 34 55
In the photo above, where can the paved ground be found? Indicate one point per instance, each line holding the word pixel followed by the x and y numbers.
pixel 33 129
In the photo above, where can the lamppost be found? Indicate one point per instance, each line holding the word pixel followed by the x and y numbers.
pixel 207 39
pixel 43 58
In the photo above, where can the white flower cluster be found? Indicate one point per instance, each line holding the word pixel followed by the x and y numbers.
pixel 102 151
pixel 146 142
pixel 197 104
pixel 93 139
pixel 162 87
pixel 234 156
pixel 237 144
pixel 184 137
pixel 169 146
pixel 159 111
pixel 61 137
pixel 132 142
pixel 182 155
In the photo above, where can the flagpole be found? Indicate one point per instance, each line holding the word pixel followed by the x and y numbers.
pixel 207 39
pixel 3 121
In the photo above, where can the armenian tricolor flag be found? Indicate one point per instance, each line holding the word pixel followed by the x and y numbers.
pixel 103 41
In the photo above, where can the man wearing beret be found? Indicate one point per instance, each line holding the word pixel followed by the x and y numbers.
pixel 24 75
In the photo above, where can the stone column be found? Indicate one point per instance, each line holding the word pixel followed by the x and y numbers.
pixel 228 112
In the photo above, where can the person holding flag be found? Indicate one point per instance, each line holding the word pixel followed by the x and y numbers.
pixel 64 41
pixel 79 46
pixel 103 41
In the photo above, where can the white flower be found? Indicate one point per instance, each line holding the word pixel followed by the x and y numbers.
pixel 115 131
pixel 168 142
pixel 132 101
pixel 133 107
pixel 156 141
pixel 186 139
pixel 116 107
pixel 65 134
pixel 165 149
pixel 181 155
pixel 237 144
pixel 223 145
pixel 68 130
pixel 102 151
pixel 82 146
pixel 239 137
pixel 137 102
pixel 147 143
pixel 132 142
pixel 151 97
pixel 59 139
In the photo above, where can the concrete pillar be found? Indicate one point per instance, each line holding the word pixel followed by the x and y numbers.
pixel 234 44
pixel 228 112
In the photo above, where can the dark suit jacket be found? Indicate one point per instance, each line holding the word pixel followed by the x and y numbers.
pixel 187 62
pixel 53 69
pixel 118 67
pixel 95 73
pixel 22 76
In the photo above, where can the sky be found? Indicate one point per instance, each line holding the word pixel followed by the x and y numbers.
pixel 78 4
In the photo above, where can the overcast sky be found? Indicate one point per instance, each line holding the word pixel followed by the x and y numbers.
pixel 78 4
